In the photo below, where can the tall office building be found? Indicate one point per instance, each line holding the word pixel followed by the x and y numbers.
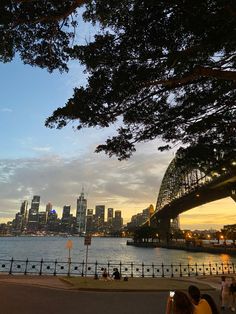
pixel 117 221
pixel 110 212
pixel 48 209
pixel 99 217
pixel 81 213
pixel 89 220
pixel 33 214
pixel 66 219
pixel 24 213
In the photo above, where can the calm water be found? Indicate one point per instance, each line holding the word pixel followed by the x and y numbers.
pixel 101 250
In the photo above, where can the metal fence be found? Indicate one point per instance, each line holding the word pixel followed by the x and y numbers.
pixel 46 267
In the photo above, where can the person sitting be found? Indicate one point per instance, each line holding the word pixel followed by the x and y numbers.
pixel 116 274
pixel 211 302
pixel 180 303
pixel 104 274
pixel 201 305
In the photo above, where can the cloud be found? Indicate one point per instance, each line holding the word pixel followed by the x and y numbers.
pixel 42 149
pixel 6 110
pixel 129 185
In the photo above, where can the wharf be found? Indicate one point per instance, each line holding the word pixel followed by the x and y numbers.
pixel 224 249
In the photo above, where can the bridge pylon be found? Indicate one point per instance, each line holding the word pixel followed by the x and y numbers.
pixel 163 227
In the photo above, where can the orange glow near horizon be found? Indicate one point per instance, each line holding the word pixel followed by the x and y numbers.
pixel 212 215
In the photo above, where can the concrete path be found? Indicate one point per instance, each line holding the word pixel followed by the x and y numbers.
pixel 38 295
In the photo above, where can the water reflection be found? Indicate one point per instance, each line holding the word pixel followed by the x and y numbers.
pixel 101 250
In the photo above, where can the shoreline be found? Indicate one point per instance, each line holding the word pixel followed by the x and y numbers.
pixel 189 248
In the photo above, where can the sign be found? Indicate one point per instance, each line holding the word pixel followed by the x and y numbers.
pixel 87 240
pixel 69 244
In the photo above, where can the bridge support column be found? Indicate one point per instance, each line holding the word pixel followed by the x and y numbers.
pixel 163 227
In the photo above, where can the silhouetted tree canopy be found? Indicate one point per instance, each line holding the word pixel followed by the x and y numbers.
pixel 40 31
pixel 161 69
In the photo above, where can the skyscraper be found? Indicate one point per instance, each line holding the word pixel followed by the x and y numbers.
pixel 81 213
pixel 99 217
pixel 110 212
pixel 66 219
pixel 24 213
pixel 89 221
pixel 33 214
pixel 117 221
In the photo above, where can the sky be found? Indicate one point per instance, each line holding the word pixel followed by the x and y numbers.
pixel 57 164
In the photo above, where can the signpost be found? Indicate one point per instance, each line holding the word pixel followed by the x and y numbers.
pixel 69 246
pixel 87 242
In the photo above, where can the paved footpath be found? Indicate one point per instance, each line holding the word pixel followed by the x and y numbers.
pixel 39 296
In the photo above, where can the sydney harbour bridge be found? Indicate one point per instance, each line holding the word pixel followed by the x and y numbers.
pixel 187 185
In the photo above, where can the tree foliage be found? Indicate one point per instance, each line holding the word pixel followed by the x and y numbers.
pixel 40 31
pixel 162 69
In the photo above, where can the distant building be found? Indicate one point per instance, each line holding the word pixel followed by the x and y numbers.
pixel 52 222
pixel 48 209
pixel 32 225
pixel 117 221
pixel 42 221
pixel 99 217
pixel 90 221
pixel 66 219
pixel 81 213
pixel 110 213
pixel 24 213
pixel 140 218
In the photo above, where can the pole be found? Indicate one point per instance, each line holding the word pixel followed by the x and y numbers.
pixel 69 262
pixel 86 261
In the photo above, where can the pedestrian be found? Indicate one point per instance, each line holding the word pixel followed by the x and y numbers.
pixel 104 274
pixel 232 290
pixel 179 303
pixel 201 305
pixel 116 274
pixel 211 302
pixel 225 293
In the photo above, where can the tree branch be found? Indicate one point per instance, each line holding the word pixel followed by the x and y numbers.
pixel 198 72
pixel 51 18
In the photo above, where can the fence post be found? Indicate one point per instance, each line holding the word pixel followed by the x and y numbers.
pixel 55 268
pixel 10 270
pixel 196 273
pixel 188 270
pixel 180 270
pixel 41 267
pixel 203 267
pixel 108 266
pixel 172 273
pixel 26 265
pixel 120 269
pixel 96 270
pixel 233 268
pixel 210 268
pixel 153 271
pixel 142 269
pixel 162 270
pixel 222 268
pixel 216 269
pixel 82 274
pixel 132 269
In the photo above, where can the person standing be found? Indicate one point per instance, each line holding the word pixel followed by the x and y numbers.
pixel 232 290
pixel 225 293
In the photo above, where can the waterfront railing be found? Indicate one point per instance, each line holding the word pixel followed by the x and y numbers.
pixel 70 268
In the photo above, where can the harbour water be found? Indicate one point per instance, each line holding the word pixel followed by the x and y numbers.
pixel 102 250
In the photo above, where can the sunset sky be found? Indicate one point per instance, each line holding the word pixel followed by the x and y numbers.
pixel 56 164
